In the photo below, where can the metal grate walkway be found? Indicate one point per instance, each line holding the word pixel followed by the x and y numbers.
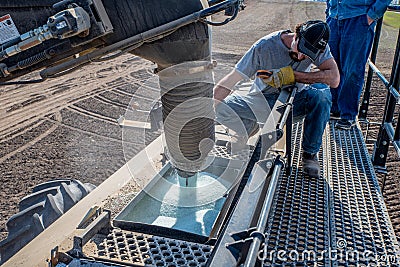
pixel 338 220
pixel 136 249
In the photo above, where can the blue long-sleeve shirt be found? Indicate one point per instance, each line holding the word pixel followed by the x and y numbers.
pixel 344 9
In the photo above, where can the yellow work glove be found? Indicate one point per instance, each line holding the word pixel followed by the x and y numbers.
pixel 277 77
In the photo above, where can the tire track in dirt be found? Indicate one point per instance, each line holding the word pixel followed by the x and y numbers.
pixel 37 110
pixel 34 141
pixel 59 98
pixel 77 89
pixel 21 132
pixel 133 106
pixel 122 93
pixel 91 114
pixel 290 13
pixel 61 124
pixel 109 101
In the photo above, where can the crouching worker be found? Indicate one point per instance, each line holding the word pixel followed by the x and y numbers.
pixel 287 57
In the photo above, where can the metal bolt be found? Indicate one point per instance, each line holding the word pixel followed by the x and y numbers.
pixel 381 156
pixel 384 143
pixel 269 164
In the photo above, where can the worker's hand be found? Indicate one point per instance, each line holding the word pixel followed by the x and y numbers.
pixel 369 20
pixel 278 77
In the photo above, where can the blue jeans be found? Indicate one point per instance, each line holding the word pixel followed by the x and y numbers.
pixel 313 104
pixel 350 43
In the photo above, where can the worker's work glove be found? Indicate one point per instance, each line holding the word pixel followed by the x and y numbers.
pixel 277 77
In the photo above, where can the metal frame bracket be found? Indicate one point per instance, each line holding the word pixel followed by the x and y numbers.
pixel 244 239
pixel 101 224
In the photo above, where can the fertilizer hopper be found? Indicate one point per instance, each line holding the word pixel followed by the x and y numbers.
pixel 193 207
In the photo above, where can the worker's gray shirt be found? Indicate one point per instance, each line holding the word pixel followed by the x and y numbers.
pixel 271 53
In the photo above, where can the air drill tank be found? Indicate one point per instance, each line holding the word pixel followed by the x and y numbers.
pixel 114 21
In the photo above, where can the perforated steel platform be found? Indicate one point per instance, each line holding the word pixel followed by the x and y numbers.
pixel 337 220
pixel 136 249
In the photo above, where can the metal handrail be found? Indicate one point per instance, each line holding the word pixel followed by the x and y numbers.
pixel 388 132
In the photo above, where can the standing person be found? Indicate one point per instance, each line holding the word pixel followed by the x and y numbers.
pixel 352 24
pixel 290 56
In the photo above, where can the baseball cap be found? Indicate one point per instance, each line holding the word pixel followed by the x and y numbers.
pixel 313 38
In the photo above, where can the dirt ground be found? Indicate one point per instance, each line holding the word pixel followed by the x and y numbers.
pixel 67 127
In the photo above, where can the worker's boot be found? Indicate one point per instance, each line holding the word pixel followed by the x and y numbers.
pixel 311 165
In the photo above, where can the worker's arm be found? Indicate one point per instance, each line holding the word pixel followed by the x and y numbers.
pixel 224 87
pixel 327 73
pixel 377 9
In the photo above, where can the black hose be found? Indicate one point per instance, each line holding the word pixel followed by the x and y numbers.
pixel 23 82
pixel 235 11
pixel 30 61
